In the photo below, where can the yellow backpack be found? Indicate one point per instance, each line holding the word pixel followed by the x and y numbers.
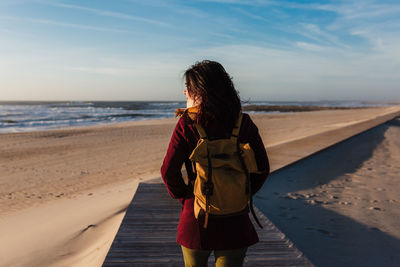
pixel 223 166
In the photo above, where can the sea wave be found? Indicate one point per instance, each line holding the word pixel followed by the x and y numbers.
pixel 18 116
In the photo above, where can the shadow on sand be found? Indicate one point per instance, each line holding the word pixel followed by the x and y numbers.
pixel 322 234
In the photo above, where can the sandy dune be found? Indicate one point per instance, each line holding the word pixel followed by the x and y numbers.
pixel 63 192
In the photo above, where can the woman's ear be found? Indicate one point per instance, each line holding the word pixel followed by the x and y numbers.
pixel 196 100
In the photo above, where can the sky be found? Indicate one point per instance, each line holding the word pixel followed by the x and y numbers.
pixel 138 50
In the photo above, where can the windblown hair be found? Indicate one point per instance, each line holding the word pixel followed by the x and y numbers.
pixel 208 83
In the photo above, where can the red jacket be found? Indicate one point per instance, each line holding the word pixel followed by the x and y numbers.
pixel 222 233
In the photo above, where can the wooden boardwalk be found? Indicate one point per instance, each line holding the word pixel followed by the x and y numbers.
pixel 147 235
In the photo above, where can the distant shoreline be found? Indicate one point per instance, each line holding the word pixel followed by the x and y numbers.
pixel 293 108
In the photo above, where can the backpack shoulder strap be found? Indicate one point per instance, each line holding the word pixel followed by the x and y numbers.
pixel 236 128
pixel 201 131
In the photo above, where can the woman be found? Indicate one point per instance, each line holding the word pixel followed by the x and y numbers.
pixel 212 102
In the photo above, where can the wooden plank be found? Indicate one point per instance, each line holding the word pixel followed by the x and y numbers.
pixel 147 236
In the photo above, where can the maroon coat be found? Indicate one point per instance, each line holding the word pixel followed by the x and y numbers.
pixel 222 233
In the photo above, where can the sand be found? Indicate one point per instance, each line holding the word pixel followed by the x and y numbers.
pixel 63 192
pixel 341 207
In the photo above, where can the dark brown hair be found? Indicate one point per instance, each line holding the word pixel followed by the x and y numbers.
pixel 208 82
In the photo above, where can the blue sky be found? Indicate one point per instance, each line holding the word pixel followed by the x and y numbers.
pixel 138 50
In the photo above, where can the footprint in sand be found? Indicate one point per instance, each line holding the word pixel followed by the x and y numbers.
pixel 374 229
pixel 312 202
pixel 374 208
pixel 310 195
pixel 325 232
pixel 290 196
pixel 88 227
pixel 333 197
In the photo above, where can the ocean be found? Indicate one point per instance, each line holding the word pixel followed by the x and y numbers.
pixel 22 116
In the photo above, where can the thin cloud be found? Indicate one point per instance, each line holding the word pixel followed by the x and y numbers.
pixel 241 2
pixel 358 10
pixel 174 7
pixel 375 23
pixel 188 11
pixel 314 32
pixel 311 47
pixel 109 13
pixel 63 24
pixel 251 15
pixel 223 35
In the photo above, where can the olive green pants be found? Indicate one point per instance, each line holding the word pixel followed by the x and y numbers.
pixel 223 258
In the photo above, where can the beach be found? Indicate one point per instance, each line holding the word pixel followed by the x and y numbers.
pixel 64 192
pixel 341 207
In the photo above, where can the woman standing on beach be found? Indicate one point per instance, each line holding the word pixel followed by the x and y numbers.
pixel 213 103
